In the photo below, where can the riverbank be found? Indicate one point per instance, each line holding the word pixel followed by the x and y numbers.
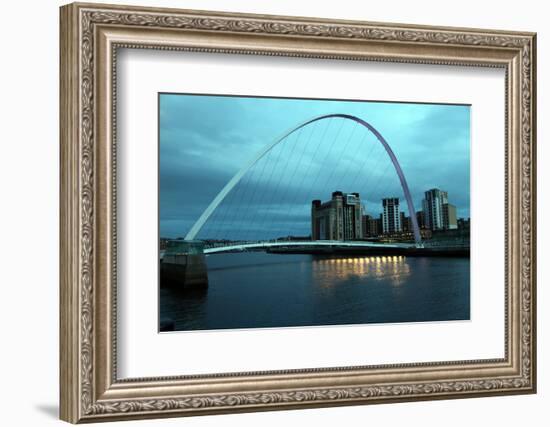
pixel 433 251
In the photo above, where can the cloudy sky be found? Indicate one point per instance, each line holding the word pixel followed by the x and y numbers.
pixel 205 140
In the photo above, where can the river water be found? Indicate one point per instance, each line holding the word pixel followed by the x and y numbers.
pixel 258 290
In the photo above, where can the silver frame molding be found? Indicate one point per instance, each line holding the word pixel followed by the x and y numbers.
pixel 90 37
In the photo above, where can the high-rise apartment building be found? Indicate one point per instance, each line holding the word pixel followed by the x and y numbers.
pixel 337 219
pixel 391 219
pixel 438 213
pixel 432 206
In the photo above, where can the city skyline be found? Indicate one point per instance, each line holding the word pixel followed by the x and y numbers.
pixel 344 217
pixel 403 215
pixel 204 140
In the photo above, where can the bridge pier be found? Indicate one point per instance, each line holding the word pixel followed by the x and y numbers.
pixel 184 265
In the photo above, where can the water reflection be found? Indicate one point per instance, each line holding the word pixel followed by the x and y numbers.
pixel 252 290
pixel 328 272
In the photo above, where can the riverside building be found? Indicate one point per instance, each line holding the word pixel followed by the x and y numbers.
pixel 391 218
pixel 340 218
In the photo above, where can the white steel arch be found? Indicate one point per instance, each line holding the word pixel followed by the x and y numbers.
pixel 237 177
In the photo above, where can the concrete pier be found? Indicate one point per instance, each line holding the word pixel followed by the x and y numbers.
pixel 184 265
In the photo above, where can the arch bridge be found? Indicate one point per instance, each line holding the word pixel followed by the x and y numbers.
pixel 198 225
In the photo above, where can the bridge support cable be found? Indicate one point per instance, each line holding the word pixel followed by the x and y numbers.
pixel 210 230
pixel 297 168
pixel 295 200
pixel 301 156
pixel 285 181
pixel 275 196
pixel 254 206
pixel 332 169
pixel 263 205
pixel 231 184
pixel 365 161
pixel 218 225
pixel 216 222
pixel 192 233
pixel 311 188
pixel 239 198
pixel 315 180
pixel 319 172
pixel 326 157
pixel 249 211
pixel 247 190
pixel 339 160
pixel 369 179
pixel 242 191
pixel 341 183
pixel 295 147
pixel 236 213
pixel 380 178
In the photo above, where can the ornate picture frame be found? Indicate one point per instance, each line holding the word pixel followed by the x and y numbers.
pixel 90 37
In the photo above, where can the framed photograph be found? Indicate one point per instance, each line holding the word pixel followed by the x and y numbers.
pixel 267 212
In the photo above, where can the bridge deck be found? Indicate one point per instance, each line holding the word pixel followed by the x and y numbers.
pixel 307 243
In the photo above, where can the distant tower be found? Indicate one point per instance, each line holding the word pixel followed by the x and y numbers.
pixel 439 214
pixel 391 219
